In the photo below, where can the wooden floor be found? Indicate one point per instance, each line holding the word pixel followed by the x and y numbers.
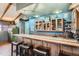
pixel 3 43
pixel 5 50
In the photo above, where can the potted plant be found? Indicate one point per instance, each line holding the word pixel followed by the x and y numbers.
pixel 15 30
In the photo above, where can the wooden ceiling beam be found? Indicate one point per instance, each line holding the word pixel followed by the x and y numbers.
pixel 4 20
pixel 9 5
pixel 17 16
pixel 8 22
pixel 74 5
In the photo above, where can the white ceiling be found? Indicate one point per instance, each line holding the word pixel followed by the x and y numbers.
pixel 10 14
pixel 44 8
pixel 30 9
pixel 2 8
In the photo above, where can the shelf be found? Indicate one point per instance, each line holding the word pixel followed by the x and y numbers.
pixel 48 31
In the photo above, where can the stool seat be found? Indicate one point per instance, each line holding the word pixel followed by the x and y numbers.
pixel 16 43
pixel 36 50
pixel 41 51
pixel 25 49
pixel 41 48
pixel 25 46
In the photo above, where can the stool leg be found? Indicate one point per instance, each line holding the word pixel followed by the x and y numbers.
pixel 26 52
pixel 11 49
pixel 16 50
pixel 20 51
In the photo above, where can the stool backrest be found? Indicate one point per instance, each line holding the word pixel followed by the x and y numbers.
pixel 39 53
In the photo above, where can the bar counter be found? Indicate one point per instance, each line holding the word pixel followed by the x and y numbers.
pixel 70 46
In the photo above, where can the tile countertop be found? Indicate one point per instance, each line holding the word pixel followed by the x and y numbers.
pixel 57 40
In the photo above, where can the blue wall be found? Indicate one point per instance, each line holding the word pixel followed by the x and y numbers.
pixel 27 27
pixel 66 16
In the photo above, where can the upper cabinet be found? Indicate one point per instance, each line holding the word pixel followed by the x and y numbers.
pixel 75 19
pixel 52 25
pixel 60 23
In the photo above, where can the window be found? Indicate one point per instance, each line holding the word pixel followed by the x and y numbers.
pixel 4 27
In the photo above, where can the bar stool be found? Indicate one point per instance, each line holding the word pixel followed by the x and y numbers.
pixel 41 51
pixel 25 49
pixel 16 44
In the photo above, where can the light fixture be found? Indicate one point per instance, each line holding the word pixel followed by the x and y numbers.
pixel 58 11
pixel 36 16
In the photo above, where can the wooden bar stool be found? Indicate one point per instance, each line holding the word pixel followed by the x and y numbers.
pixel 16 44
pixel 25 49
pixel 41 51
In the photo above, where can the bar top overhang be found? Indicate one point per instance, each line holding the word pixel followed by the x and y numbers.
pixel 57 40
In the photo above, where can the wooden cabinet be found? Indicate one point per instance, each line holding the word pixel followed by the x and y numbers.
pixel 54 49
pixel 68 50
pixel 39 25
pixel 60 23
pixel 52 25
pixel 48 26
pixel 76 51
pixel 75 20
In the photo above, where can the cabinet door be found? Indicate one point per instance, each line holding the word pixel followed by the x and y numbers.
pixel 76 51
pixel 67 49
pixel 53 24
pixel 48 26
pixel 78 23
pixel 54 49
pixel 36 25
pixel 39 25
pixel 60 24
pixel 75 20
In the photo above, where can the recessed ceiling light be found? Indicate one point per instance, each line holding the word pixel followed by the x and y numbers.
pixel 59 11
pixel 36 15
